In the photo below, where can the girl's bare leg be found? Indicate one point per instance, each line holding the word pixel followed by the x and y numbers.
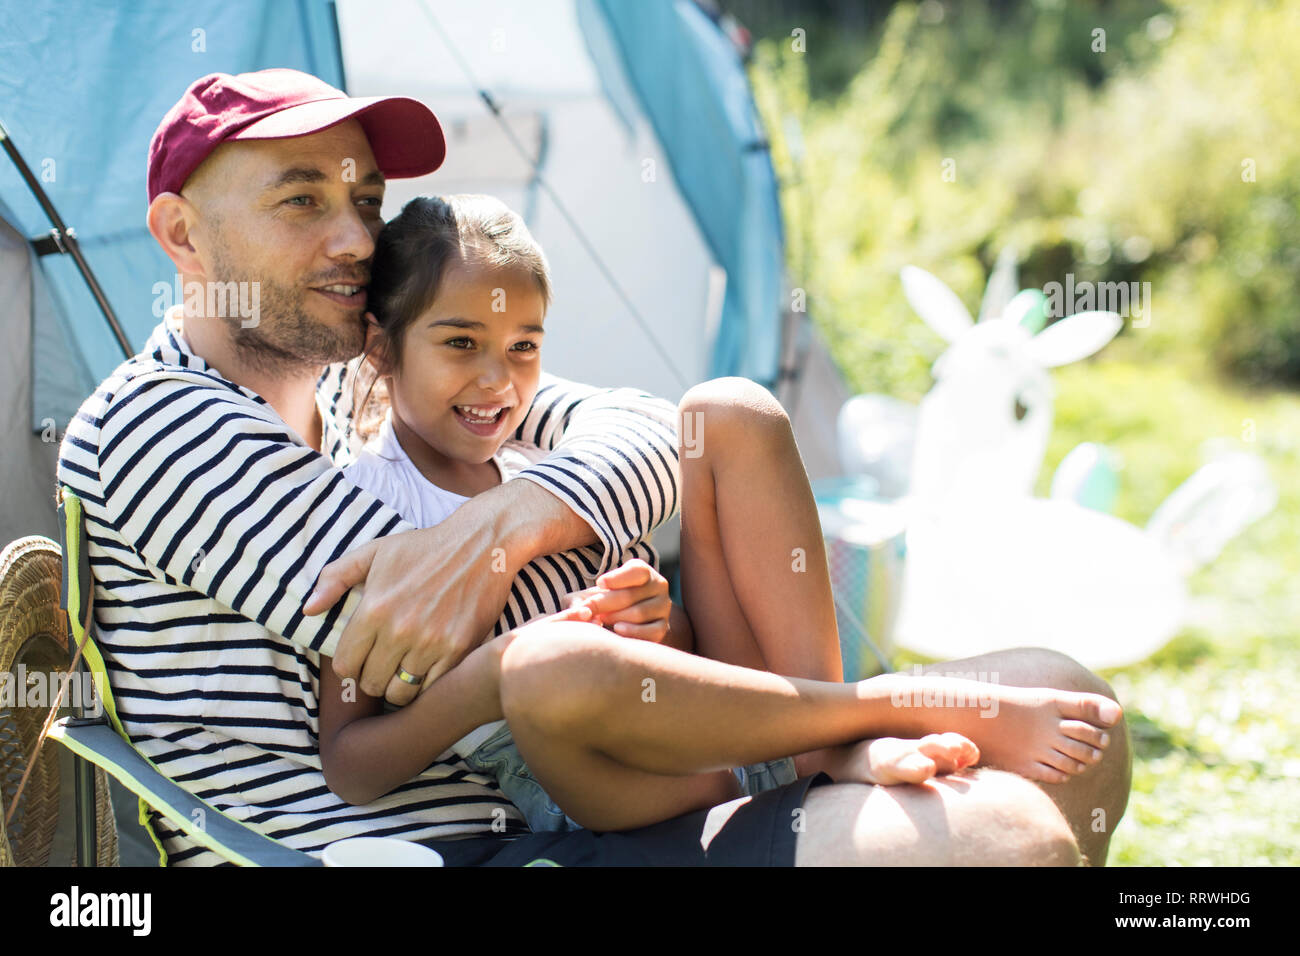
pixel 754 576
pixel 653 726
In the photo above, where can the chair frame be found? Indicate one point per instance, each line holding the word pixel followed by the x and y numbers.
pixel 100 740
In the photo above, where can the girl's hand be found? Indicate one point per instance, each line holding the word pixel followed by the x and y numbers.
pixel 632 601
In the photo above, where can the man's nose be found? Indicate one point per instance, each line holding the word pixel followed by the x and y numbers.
pixel 350 236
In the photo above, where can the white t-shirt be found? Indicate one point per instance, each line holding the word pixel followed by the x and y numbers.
pixel 384 469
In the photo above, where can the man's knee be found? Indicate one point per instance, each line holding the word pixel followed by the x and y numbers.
pixel 1002 819
pixel 1026 667
pixel 1039 833
pixel 556 675
pixel 726 407
pixel 983 818
pixel 1062 672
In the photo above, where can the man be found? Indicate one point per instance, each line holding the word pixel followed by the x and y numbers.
pixel 212 509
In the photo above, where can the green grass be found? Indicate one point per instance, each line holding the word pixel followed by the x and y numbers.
pixel 1215 717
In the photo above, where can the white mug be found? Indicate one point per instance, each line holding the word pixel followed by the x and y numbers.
pixel 379 851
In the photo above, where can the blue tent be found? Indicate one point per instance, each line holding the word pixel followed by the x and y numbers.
pixel 82 88
pixel 84 83
pixel 693 85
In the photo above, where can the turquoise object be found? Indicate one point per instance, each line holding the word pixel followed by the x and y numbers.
pixel 831 491
pixel 865 550
pixel 1101 486
pixel 1089 476
pixel 1029 308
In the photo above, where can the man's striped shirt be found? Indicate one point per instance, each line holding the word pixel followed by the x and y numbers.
pixel 208 520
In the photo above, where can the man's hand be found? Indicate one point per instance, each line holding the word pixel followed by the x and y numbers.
pixel 431 596
pixel 632 600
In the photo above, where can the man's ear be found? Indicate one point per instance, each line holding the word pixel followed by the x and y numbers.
pixel 170 218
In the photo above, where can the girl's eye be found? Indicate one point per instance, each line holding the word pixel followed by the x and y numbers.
pixel 461 343
pixel 526 346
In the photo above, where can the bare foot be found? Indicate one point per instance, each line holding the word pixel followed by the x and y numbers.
pixel 891 760
pixel 1040 733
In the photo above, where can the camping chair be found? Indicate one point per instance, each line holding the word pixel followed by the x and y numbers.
pixel 99 743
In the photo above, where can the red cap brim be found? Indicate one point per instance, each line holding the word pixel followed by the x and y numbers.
pixel 404 135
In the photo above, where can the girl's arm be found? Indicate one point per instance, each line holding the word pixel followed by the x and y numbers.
pixel 366 753
pixel 613 459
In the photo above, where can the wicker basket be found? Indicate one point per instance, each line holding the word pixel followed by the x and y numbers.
pixel 34 645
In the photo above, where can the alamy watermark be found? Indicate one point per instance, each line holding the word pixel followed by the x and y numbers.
pixel 38 688
pixel 217 300
pixel 1129 300
pixel 958 693
pixel 133 911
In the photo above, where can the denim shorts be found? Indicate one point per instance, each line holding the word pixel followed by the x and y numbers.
pixel 499 758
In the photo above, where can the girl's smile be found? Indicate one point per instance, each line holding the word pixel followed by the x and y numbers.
pixel 482 420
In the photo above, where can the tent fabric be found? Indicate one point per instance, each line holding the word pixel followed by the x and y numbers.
pixel 693 87
pixel 27 466
pixel 564 95
pixel 82 88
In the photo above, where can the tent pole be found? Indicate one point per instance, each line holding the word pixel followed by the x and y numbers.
pixel 541 181
pixel 66 240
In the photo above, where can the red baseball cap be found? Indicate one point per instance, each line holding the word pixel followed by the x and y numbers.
pixel 278 104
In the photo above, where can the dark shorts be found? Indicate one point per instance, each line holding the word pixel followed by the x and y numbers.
pixel 760 831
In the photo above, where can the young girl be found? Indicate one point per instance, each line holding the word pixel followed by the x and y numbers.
pixel 459 292
pixel 455 381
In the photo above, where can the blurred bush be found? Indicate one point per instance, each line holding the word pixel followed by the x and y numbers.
pixel 1124 141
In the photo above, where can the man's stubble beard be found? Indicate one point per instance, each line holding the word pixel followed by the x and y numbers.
pixel 287 340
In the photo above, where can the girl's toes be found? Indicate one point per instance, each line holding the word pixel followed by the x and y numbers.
pixel 915 768
pixel 1085 733
pixel 970 753
pixel 1064 763
pixel 1093 708
pixel 1046 774
pixel 949 751
pixel 1083 753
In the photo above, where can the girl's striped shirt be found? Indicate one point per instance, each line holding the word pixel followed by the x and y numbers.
pixel 208 520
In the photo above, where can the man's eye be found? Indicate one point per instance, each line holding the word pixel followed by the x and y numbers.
pixel 294 200
pixel 375 201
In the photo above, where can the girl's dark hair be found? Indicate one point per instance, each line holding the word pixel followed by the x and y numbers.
pixel 411 256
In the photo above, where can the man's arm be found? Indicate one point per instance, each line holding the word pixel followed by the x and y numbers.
pixel 611 478
pixel 213 493
pixel 613 459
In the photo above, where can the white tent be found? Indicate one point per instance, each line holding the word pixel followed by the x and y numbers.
pixel 575 153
